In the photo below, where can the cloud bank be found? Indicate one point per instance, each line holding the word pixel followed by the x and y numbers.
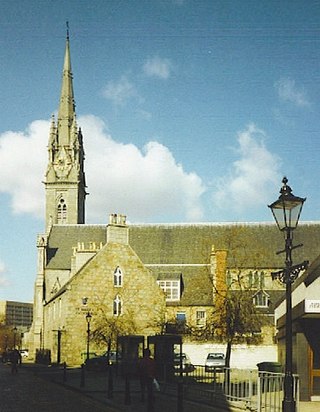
pixel 145 184
pixel 252 177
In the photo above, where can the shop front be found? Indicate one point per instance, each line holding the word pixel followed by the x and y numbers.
pixel 306 332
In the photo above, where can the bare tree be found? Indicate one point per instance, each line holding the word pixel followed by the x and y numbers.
pixel 108 328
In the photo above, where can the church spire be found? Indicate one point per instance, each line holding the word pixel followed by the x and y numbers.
pixel 65 178
pixel 67 106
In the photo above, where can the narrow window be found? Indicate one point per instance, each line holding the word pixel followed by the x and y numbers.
pixel 117 306
pixel 117 277
pixel 62 212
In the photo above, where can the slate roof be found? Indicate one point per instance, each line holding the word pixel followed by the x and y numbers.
pixel 185 249
pixel 63 238
pixel 249 245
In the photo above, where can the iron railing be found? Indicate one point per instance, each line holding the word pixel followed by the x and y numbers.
pixel 248 389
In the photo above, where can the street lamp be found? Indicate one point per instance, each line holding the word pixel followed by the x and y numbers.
pixel 286 211
pixel 88 319
pixel 14 336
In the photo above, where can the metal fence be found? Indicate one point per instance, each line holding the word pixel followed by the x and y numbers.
pixel 244 388
pixel 270 392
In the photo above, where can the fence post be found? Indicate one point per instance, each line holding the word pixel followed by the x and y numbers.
pixel 180 396
pixel 64 372
pixel 259 392
pixel 82 379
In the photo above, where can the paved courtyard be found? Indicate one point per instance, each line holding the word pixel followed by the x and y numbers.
pixel 36 389
pixel 25 392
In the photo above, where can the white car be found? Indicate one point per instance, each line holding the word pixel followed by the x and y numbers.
pixel 215 362
pixel 24 353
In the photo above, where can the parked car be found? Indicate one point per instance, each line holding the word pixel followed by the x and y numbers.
pixel 24 353
pixel 101 362
pixel 215 362
pixel 113 357
pixel 187 366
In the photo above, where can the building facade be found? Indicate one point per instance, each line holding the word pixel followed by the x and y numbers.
pixel 16 314
pixel 159 278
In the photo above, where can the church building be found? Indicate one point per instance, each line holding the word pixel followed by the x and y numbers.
pixel 144 279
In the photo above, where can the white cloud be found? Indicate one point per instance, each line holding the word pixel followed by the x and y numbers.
pixel 157 67
pixel 23 159
pixel 252 177
pixel 144 184
pixel 120 91
pixel 3 278
pixel 288 91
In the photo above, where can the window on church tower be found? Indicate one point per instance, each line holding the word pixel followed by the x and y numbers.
pixel 117 277
pixel 62 212
pixel 117 306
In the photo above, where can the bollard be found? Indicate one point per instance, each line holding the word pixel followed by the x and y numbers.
pixel 180 396
pixel 127 397
pixel 64 372
pixel 110 382
pixel 82 378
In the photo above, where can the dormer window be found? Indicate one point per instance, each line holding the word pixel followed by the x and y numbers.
pixel 171 286
pixel 117 277
pixel 261 299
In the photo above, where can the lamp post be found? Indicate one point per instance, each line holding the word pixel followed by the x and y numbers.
pixel 286 211
pixel 88 319
pixel 14 336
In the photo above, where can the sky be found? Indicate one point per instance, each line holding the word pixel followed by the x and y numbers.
pixel 191 111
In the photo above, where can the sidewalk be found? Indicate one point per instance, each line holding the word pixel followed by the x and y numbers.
pixel 95 387
pixel 25 392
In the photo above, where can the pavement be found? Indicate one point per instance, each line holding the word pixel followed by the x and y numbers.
pixel 27 392
pixel 52 389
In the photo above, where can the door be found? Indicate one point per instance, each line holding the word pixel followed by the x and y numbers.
pixel 315 372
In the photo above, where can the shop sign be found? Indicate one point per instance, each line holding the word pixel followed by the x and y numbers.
pixel 312 306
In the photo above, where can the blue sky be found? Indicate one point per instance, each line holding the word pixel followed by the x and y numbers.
pixel 191 110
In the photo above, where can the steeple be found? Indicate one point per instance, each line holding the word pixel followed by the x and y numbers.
pixel 67 106
pixel 65 179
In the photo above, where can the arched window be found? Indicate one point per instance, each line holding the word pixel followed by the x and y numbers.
pixel 117 277
pixel 117 306
pixel 62 212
